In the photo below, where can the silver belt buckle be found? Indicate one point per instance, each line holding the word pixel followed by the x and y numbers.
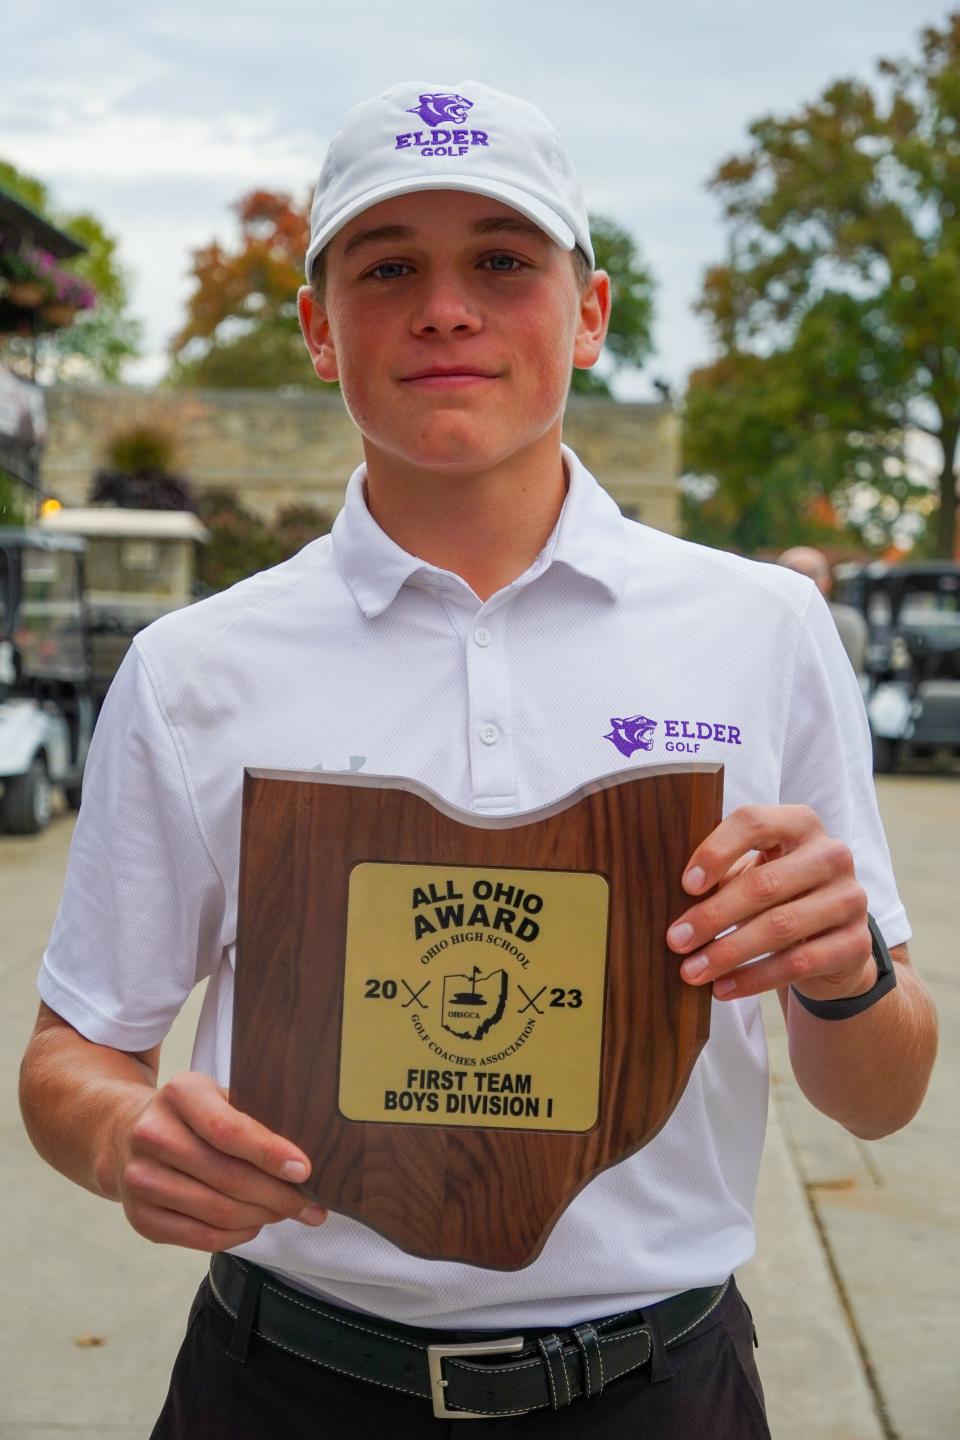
pixel 435 1358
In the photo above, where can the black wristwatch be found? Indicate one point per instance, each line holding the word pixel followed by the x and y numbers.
pixel 854 1004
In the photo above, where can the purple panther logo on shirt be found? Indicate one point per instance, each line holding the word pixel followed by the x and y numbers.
pixel 435 109
pixel 633 732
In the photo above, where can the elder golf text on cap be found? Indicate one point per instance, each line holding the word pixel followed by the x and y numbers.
pixel 468 136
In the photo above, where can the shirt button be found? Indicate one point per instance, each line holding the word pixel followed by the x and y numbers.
pixel 489 734
pixel 482 636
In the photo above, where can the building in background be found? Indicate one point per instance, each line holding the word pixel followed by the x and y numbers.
pixel 274 449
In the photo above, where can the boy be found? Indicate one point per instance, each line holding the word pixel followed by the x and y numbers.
pixel 451 290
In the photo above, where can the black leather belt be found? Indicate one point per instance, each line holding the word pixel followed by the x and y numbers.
pixel 466 1381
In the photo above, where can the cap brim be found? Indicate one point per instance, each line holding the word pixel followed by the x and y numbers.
pixel 541 215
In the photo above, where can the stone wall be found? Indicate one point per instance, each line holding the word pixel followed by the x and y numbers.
pixel 273 448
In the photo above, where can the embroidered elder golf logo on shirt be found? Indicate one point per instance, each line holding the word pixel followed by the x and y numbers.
pixel 632 733
pixel 685 737
pixel 445 113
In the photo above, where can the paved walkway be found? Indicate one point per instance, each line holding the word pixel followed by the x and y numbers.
pixel 853 1287
pixel 887 1214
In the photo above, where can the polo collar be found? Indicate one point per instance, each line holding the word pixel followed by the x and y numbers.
pixel 588 539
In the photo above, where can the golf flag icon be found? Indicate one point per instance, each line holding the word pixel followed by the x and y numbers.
pixel 472 1004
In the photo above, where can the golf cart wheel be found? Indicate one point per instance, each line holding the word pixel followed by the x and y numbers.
pixel 885 755
pixel 27 801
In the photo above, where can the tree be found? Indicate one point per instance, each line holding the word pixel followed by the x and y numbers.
pixel 242 329
pixel 836 314
pixel 99 341
pixel 241 543
pixel 629 339
pixel 13 506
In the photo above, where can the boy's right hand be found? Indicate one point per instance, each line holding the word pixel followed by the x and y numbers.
pixel 191 1170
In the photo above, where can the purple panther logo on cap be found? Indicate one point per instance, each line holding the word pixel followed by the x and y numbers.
pixel 435 109
pixel 634 732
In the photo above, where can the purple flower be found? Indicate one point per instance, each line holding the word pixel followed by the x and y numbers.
pixel 31 264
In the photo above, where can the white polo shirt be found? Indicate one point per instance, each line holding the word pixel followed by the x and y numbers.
pixel 620 646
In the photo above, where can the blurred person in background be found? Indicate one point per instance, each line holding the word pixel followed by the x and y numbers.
pixel 849 622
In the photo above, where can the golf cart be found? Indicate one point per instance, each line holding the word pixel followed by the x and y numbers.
pixel 46 705
pixel 140 564
pixel 913 656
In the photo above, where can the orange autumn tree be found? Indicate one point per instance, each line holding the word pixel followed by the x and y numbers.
pixel 241 329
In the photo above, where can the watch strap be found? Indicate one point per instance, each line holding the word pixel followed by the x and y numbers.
pixel 856 1004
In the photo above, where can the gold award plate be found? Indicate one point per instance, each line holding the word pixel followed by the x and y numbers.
pixel 473 996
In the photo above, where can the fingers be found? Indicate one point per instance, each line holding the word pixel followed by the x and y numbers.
pixel 189 1165
pixel 785 891
pixel 779 929
pixel 166 1227
pixel 766 888
pixel 827 967
pixel 746 862
pixel 165 1139
pixel 200 1173
pixel 767 828
pixel 823 932
pixel 205 1108
pixel 154 1191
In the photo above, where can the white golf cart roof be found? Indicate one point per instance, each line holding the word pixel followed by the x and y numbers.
pixel 96 520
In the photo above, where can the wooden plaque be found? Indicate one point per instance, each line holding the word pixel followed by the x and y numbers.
pixel 462 1019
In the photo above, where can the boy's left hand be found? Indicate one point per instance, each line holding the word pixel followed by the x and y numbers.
pixel 791 891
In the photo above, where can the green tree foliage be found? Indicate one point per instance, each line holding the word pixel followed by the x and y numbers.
pixel 142 448
pixel 100 340
pixel 242 329
pixel 629 339
pixel 836 314
pixel 26 188
pixel 241 543
pixel 13 507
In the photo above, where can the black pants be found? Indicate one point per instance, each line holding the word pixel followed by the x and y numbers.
pixel 713 1393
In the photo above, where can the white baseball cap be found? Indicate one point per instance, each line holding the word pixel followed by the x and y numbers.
pixel 422 136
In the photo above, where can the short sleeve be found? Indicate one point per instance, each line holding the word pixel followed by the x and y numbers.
pixel 140 918
pixel 827 762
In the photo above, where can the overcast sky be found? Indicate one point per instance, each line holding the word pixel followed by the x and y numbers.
pixel 157 121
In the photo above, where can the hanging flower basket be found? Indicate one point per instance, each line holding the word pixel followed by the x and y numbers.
pixel 56 314
pixel 28 294
pixel 32 281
